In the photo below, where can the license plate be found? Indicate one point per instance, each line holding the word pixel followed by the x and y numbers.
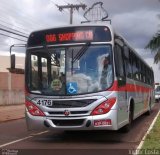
pixel 102 122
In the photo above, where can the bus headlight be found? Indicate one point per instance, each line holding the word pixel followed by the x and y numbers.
pixel 33 110
pixel 104 107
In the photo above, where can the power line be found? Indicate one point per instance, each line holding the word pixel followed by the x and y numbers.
pixel 13 32
pixel 12 25
pixel 13 29
pixel 31 17
pixel 12 37
pixel 26 15
pixel 23 20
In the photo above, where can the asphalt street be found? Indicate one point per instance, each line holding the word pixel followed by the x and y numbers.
pixel 15 138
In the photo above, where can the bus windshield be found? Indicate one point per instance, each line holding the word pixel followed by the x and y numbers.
pixel 70 70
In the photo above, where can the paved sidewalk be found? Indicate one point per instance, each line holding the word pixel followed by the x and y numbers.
pixel 11 112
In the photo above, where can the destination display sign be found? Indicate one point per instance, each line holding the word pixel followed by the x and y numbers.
pixel 70 36
pixel 67 35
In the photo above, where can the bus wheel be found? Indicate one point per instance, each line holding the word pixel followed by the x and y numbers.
pixel 127 127
pixel 149 108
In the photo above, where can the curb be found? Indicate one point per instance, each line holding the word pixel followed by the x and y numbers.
pixel 148 131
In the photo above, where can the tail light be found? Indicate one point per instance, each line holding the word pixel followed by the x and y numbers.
pixel 104 107
pixel 33 110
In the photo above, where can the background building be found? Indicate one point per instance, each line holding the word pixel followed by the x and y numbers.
pixel 11 84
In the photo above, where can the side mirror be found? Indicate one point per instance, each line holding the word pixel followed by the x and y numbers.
pixel 13 68
pixel 13 60
pixel 121 81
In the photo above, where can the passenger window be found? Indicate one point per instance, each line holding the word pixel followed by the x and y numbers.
pixel 129 66
pixel 135 68
pixel 119 61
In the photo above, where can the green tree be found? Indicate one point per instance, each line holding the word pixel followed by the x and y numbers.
pixel 154 45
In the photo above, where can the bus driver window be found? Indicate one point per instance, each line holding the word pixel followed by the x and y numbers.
pixel 106 75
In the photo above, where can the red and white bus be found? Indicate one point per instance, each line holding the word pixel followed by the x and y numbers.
pixel 85 77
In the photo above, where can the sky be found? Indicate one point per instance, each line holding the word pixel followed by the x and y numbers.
pixel 137 21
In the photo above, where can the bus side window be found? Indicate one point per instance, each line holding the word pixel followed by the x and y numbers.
pixel 130 75
pixel 135 67
pixel 140 70
pixel 119 64
pixel 128 64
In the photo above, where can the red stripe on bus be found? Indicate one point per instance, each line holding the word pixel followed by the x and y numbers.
pixel 129 88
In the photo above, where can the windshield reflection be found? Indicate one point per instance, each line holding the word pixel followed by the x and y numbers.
pixel 70 70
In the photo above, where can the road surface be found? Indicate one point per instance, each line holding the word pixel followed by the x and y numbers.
pixel 15 139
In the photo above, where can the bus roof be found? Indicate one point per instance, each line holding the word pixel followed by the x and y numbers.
pixel 77 25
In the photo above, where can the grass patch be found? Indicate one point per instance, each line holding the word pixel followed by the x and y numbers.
pixel 152 140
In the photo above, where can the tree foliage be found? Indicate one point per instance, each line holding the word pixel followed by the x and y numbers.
pixel 154 45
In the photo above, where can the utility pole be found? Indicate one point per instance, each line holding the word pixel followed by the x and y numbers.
pixel 71 7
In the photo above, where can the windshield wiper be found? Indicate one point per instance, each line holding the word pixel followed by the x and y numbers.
pixel 81 52
pixel 48 52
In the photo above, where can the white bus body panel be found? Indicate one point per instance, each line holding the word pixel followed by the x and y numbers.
pixel 37 122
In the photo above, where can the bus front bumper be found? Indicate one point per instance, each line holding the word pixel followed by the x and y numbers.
pixel 99 122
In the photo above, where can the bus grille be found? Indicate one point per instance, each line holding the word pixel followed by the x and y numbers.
pixel 72 112
pixel 71 103
pixel 71 122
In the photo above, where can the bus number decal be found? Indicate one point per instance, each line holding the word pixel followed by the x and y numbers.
pixel 51 38
pixel 47 103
